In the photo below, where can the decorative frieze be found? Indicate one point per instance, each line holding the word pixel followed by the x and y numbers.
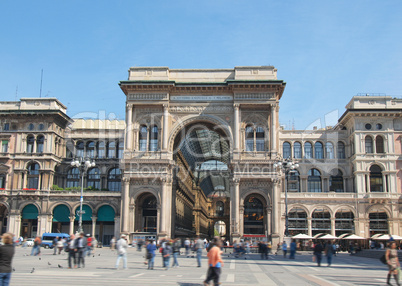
pixel 254 96
pixel 147 96
pixel 200 109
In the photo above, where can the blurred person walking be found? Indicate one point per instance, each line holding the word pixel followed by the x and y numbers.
pixel 7 251
pixel 121 247
pixel 72 249
pixel 199 246
pixel 215 262
pixel 151 248
pixel 391 257
pixel 317 251
pixel 176 252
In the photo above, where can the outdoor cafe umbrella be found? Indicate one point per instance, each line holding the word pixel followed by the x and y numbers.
pixel 328 236
pixel 353 236
pixel 302 236
pixel 388 237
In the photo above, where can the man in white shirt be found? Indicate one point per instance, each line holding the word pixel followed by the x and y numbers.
pixel 121 247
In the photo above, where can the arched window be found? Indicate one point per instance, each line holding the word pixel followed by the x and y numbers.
pixel 219 210
pixel 336 181
pixel 30 144
pixel 91 149
pixel 378 222
pixel 287 150
pixel 297 221
pixel 93 179
pixel 321 221
pixel 341 150
pixel 376 184
pixel 149 214
pixel 121 149
pixel 73 178
pixel 259 139
pixel 249 138
pixel 40 140
pixel 294 181
pixel 33 176
pixel 368 144
pixel 31 127
pixel 2 181
pixel 111 149
pixel 379 144
pixel 253 216
pixel 308 150
pixel 329 149
pixel 101 149
pixel 114 180
pixel 143 138
pixel 79 149
pixel 344 222
pixel 319 151
pixel 297 150
pixel 153 139
pixel 314 181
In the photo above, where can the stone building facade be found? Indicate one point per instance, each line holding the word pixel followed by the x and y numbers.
pixel 196 156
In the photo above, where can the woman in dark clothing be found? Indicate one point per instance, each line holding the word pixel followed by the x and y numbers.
pixel 6 256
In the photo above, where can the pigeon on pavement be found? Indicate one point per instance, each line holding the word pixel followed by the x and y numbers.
pixel 33 270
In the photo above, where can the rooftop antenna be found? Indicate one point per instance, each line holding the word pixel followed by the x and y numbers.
pixel 16 93
pixel 41 77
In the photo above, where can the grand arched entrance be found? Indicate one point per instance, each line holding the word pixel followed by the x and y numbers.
pixel 200 186
pixel 29 221
pixel 3 218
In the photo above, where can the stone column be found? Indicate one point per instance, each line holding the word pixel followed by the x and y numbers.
pixel 368 188
pixel 72 219
pixel 273 128
pixel 268 211
pixel 234 207
pixel 309 228
pixel 333 226
pixel 129 122
pixel 93 225
pixel 236 127
pixel 166 207
pixel 276 208
pixel 125 204
pixel 165 127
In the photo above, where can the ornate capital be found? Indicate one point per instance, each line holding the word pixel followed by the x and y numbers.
pixel 236 105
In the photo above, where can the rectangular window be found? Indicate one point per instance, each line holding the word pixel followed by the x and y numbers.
pixel 6 126
pixel 4 146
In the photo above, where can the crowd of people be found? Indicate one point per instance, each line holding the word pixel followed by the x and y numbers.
pixel 80 245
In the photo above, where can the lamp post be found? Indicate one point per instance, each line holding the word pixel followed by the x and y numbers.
pixel 83 165
pixel 287 166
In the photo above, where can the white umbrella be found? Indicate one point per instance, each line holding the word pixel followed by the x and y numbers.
pixel 376 235
pixel 343 235
pixel 396 237
pixel 328 236
pixel 302 236
pixel 354 236
pixel 383 237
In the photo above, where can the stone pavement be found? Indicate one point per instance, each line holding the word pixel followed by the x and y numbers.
pixel 249 270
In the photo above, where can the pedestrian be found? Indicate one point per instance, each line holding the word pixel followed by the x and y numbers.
pixel 166 253
pixel 60 244
pixel 176 252
pixel 36 246
pixel 112 243
pixel 81 244
pixel 151 248
pixel 88 249
pixel 199 246
pixel 293 247
pixel 71 247
pixel 54 245
pixel 391 257
pixel 215 263
pixel 329 251
pixel 121 247
pixel 7 251
pixel 94 244
pixel 317 251
pixel 187 246
pixel 284 248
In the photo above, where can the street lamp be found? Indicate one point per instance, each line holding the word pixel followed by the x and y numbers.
pixel 287 166
pixel 83 165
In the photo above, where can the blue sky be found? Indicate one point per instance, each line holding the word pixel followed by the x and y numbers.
pixel 326 51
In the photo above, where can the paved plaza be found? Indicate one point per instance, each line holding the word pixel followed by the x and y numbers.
pixel 99 270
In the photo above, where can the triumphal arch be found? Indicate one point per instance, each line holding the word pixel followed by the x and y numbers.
pixel 199 152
